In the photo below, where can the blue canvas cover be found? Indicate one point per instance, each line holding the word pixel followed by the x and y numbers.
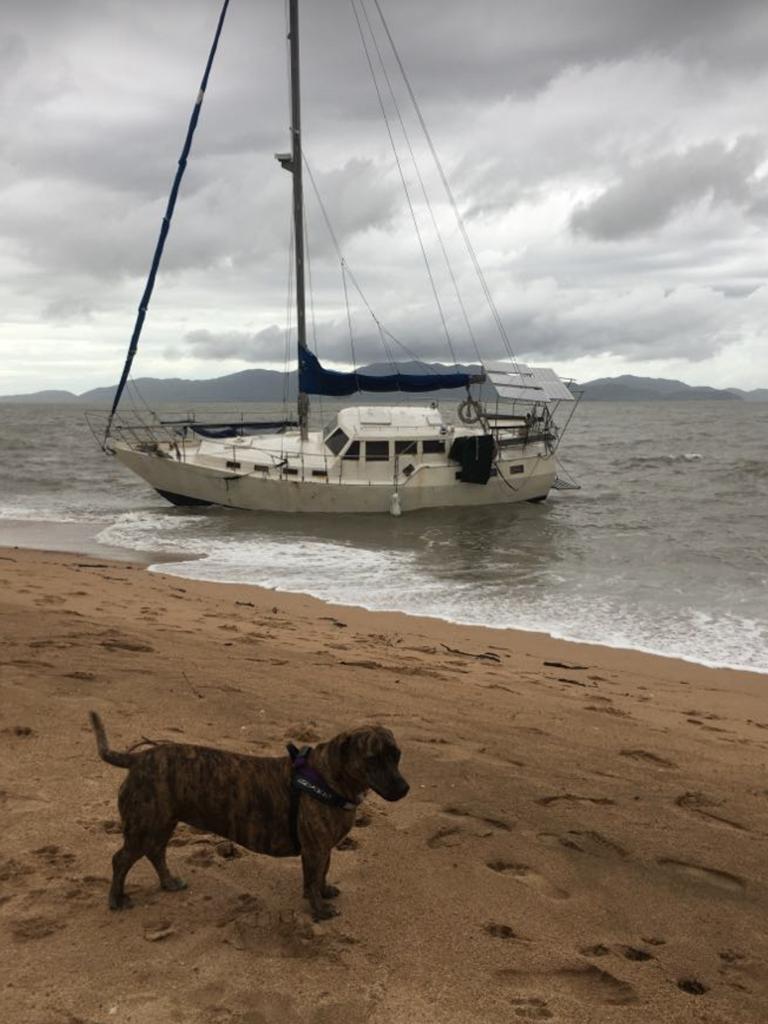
pixel 315 380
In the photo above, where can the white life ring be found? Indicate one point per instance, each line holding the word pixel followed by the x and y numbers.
pixel 469 411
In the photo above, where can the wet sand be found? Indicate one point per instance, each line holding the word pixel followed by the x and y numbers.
pixel 585 838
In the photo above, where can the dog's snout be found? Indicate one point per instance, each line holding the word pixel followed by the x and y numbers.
pixel 398 790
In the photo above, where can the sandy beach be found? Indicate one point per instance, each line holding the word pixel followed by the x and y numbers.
pixel 585 837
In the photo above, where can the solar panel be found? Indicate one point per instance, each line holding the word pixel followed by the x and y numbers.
pixel 523 383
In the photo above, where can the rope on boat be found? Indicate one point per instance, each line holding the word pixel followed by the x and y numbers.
pixel 166 223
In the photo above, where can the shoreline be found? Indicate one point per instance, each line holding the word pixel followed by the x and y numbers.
pixel 431 624
pixel 82 539
pixel 77 538
pixel 163 568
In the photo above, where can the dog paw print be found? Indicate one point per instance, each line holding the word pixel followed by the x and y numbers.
pixel 28 929
pixel 55 858
pixel 532 1008
pixel 692 986
pixel 501 931
pixel 202 857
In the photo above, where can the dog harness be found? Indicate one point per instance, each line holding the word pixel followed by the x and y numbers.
pixel 306 779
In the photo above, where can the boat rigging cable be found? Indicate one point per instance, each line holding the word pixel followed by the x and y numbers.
pixel 422 185
pixel 448 191
pixel 166 223
pixel 348 275
pixel 400 170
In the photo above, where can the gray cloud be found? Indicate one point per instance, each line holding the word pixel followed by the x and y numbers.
pixel 243 346
pixel 561 125
pixel 67 309
pixel 650 194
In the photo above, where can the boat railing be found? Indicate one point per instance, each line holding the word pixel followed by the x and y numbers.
pixel 137 430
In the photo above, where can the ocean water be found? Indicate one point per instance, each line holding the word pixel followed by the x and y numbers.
pixel 664 549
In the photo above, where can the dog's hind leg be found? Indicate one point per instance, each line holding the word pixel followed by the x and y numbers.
pixel 155 853
pixel 122 862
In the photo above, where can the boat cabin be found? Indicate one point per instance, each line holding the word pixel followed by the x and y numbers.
pixel 383 433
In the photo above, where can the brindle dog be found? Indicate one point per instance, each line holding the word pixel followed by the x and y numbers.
pixel 246 799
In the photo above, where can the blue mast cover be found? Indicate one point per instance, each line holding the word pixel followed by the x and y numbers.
pixel 315 380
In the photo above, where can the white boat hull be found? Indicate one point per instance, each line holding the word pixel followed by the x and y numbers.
pixel 184 482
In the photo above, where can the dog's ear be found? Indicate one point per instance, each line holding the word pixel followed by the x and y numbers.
pixel 375 740
pixel 348 745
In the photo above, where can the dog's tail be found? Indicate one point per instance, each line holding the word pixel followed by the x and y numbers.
pixel 115 757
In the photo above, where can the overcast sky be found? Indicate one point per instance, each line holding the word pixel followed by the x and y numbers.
pixel 610 158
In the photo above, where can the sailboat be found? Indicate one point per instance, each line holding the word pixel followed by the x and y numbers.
pixel 497 446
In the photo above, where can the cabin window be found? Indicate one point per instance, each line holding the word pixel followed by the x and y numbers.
pixel 516 469
pixel 353 452
pixel 433 447
pixel 289 471
pixel 376 451
pixel 405 447
pixel 320 473
pixel 337 440
pixel 231 464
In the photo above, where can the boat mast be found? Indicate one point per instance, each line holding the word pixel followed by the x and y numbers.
pixel 298 203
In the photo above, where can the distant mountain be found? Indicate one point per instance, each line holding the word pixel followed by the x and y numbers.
pixel 244 386
pixel 758 395
pixel 270 385
pixel 628 388
pixel 42 396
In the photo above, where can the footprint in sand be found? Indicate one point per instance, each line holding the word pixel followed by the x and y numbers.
pixel 11 870
pixel 607 709
pixel 597 950
pixel 28 929
pixel 445 837
pixel 546 801
pixel 692 986
pixel 711 876
pixel 348 843
pixel 532 1008
pixel 594 843
pixel 497 823
pixel 87 888
pixel 646 757
pixel 127 645
pixel 502 931
pixel 587 984
pixel 23 731
pixel 29 663
pixel 54 857
pixel 636 954
pixel 702 805
pixel 528 877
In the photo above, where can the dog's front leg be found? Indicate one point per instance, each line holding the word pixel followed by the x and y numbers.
pixel 315 865
pixel 328 892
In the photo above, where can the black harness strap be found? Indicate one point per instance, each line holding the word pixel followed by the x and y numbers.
pixel 305 779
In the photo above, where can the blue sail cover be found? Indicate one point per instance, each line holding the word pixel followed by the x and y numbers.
pixel 315 380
